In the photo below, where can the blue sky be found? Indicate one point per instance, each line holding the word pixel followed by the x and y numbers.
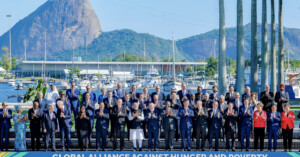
pixel 158 17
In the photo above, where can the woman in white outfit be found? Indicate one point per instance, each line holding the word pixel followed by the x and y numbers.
pixel 51 96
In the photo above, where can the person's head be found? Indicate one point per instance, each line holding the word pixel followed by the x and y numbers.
pixel 62 95
pixel 101 105
pixel 127 96
pixel 230 106
pixel 186 103
pixel 52 87
pixel 145 90
pixel 18 108
pixel 119 102
pixel 82 109
pixel 109 94
pixel 192 97
pixel 141 96
pixel 282 87
pixel 173 95
pixel 133 88
pixel 89 88
pixel 87 96
pixel 199 103
pixel 72 84
pixel 103 91
pixel 231 88
pixel 206 96
pixel 155 97
pixel 248 89
pixel 199 89
pixel 168 104
pixel 237 95
pixel 246 102
pixel 215 104
pixel 51 107
pixel 215 88
pixel 135 105
pixel 222 99
pixel 119 85
pixel 4 105
pixel 157 89
pixel 267 88
pixel 60 104
pixel 35 105
pixel 183 86
pixel 151 106
pixel 173 90
pixel 287 107
pixel 259 106
pixel 253 96
pixel 40 95
pixel 274 107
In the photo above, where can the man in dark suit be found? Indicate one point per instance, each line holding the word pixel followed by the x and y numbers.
pixel 176 105
pixel 230 116
pixel 64 99
pixel 93 96
pixel 73 95
pixel 134 95
pixel 199 95
pixel 142 102
pixel 110 101
pixel 102 117
pixel 230 95
pixel 186 115
pixel 237 106
pixel 50 127
pixel 168 115
pixel 35 115
pixel 5 125
pixel 119 92
pixel 246 116
pixel 215 118
pixel 127 101
pixel 90 109
pixel 152 117
pixel 281 98
pixel 64 115
pixel 161 96
pixel 273 120
pixel 267 98
pixel 247 93
pixel 42 102
pixel 183 93
pixel 119 113
pixel 215 95
pixel 206 102
pixel 201 116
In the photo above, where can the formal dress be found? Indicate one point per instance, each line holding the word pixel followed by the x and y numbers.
pixel 20 132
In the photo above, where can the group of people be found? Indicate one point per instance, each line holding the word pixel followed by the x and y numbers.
pixel 180 114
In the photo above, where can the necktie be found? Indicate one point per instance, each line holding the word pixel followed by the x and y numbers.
pixel 119 109
pixel 51 115
pixel 62 111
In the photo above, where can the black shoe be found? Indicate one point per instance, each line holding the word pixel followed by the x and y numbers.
pixel 68 150
pixel 269 150
pixel 203 150
pixel 103 149
pixel 98 149
pixel 227 150
pixel 197 150
pixel 182 150
pixel 209 150
pixel 242 150
pixel 216 150
pixel 46 150
pixel 53 150
pixel 290 150
pixel 285 150
pixel 63 149
pixel 233 149
pixel 189 150
pixel 275 150
pixel 171 149
pixel 247 150
pixel 156 149
pixel 134 149
pixel 255 150
pixel 114 149
pixel 140 149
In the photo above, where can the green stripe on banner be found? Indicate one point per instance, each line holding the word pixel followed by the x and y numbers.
pixel 293 154
pixel 10 154
pixel 20 154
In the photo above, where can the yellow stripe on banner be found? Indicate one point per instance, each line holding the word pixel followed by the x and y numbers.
pixel 3 154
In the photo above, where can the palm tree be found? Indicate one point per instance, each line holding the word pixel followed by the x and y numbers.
pixel 264 47
pixel 254 75
pixel 280 45
pixel 273 51
pixel 222 50
pixel 240 66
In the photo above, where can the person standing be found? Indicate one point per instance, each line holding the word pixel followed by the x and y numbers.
pixel 64 115
pixel 201 116
pixel 168 116
pixel 93 97
pixel 50 127
pixel 247 93
pixel 215 118
pixel 102 122
pixel 42 102
pixel 230 116
pixel 281 98
pixel 161 96
pixel 84 128
pixel 5 125
pixel 267 98
pixel 119 92
pixel 246 115
pixel 230 96
pixel 20 119
pixel 89 105
pixel 152 118
pixel 273 127
pixel 73 95
pixel 287 125
pixel 35 115
pixel 259 119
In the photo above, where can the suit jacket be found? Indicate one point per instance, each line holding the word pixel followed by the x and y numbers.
pixel 142 104
pixel 66 103
pixel 199 96
pixel 260 119
pixel 48 124
pixel 161 96
pixel 169 121
pixel 200 120
pixel 230 119
pixel 181 94
pixel 5 120
pixel 245 96
pixel 134 96
pixel 287 120
pixel 273 123
pixel 102 121
pixel 176 105
pixel 186 122
pixel 35 122
pixel 113 102
pixel 93 97
pixel 101 98
pixel 152 122
pixel 127 103
pixel 237 107
pixel 229 97
pixel 119 120
pixel 42 104
pixel 193 103
pixel 207 104
pixel 246 117
pixel 73 99
pixel 159 105
pixel 215 119
pixel 281 103
pixel 67 120
pixel 118 93
pixel 267 100
pixel 213 96
pixel 89 109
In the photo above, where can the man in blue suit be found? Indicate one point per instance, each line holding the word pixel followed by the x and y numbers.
pixel 215 118
pixel 273 127
pixel 161 96
pixel 152 118
pixel 119 92
pixel 50 127
pixel 73 95
pixel 64 115
pixel 246 115
pixel 90 109
pixel 103 95
pixel 186 115
pixel 93 96
pixel 5 125
pixel 183 93
pixel 102 117
pixel 215 95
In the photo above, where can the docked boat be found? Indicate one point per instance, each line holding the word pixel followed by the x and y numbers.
pixel 83 84
pixel 171 84
pixel 11 82
pixel 19 85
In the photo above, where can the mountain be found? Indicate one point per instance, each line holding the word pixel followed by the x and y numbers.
pixel 64 23
pixel 207 44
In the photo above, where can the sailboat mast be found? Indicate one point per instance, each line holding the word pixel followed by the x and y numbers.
pixel 173 59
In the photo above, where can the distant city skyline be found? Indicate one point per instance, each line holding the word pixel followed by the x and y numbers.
pixel 160 18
